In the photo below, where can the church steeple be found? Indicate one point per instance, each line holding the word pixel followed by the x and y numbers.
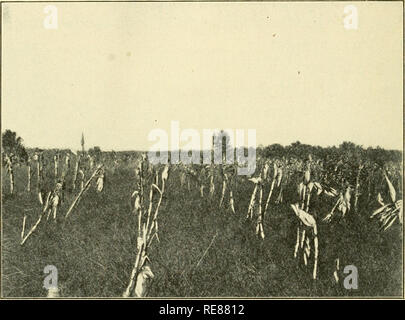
pixel 82 142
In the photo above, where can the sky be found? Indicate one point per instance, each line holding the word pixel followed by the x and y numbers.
pixel 116 71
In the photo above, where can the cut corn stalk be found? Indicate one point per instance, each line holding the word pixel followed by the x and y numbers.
pixel 76 172
pixel 308 220
pixel 45 208
pixel 147 231
pixel 82 191
pixel 259 225
pixel 56 162
pixel 252 203
pixel 336 272
pixel 23 227
pixel 357 187
pixel 212 185
pixel 9 167
pixel 29 176
pixel 269 196
pixel 297 242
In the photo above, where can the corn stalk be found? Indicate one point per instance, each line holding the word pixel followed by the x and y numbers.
pixel 259 223
pixel 308 221
pixel 147 231
pixel 76 171
pixel 389 212
pixel 34 227
pixel 82 191
pixel 275 173
pixel 38 159
pixel 9 167
pixel 29 176
pixel 56 166
pixel 357 187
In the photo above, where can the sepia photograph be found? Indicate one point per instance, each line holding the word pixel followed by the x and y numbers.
pixel 202 150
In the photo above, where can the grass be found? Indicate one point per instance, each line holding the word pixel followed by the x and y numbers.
pixel 94 249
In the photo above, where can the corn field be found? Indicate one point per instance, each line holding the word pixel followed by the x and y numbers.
pixel 117 226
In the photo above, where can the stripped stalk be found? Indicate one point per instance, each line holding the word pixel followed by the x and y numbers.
pixel 206 250
pixel 134 273
pixel 150 206
pixel 231 201
pixel 81 174
pixel 76 172
pixel 11 173
pixel 297 243
pixel 82 191
pixel 309 221
pixel 141 272
pixel 357 187
pixel 335 273
pixel 212 185
pixel 39 177
pixel 302 238
pixel 308 198
pixel 259 226
pixel 314 273
pixel 23 227
pixel 269 196
pixel 38 221
pixel 303 196
pixel 153 226
pixel 56 163
pixel 252 203
pixel 9 166
pixel 29 177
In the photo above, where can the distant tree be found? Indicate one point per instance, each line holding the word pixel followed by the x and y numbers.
pixel 12 144
pixel 300 150
pixel 274 150
pixel 379 156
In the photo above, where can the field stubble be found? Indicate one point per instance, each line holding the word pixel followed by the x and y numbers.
pixel 94 249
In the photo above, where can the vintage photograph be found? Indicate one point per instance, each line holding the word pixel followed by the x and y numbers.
pixel 202 150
